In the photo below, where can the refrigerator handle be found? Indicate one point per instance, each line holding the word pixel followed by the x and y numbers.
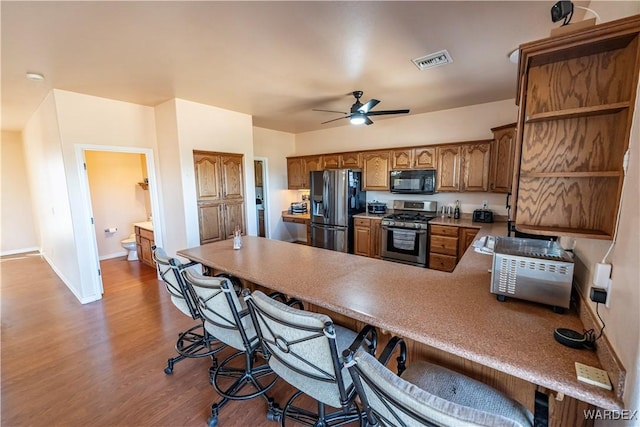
pixel 325 194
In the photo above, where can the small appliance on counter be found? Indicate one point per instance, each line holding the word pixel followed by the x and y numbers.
pixel 532 270
pixel 378 208
pixel 482 215
pixel 298 208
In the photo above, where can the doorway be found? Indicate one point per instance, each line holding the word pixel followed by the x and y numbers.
pixel 118 191
pixel 262 196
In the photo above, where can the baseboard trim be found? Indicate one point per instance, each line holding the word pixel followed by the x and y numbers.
pixel 20 251
pixel 113 255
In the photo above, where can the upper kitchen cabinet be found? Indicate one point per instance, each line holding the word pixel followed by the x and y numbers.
pixel 350 160
pixel 232 176
pixel 475 166
pixel 448 170
pixel 298 169
pixel 295 173
pixel 502 151
pixel 375 176
pixel 424 157
pixel 576 97
pixel 413 158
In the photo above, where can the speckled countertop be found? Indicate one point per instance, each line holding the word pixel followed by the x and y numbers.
pixel 147 225
pixel 454 312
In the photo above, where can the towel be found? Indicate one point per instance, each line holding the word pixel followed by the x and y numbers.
pixel 404 239
pixel 484 245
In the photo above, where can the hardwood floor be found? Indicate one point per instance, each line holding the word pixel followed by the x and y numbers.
pixel 102 363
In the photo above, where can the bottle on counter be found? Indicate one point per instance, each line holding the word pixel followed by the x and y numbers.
pixel 237 239
pixel 456 210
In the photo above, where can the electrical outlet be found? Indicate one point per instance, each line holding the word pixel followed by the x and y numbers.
pixel 485 204
pixel 602 279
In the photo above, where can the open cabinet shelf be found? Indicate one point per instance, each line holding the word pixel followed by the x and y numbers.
pixel 576 96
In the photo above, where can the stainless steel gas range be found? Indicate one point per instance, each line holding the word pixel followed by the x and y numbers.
pixel 405 233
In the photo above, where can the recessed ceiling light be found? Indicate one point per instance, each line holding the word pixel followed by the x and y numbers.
pixel 35 77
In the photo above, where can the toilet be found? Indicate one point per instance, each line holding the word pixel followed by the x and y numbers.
pixel 130 245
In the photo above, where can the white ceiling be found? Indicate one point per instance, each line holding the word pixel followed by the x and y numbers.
pixel 273 60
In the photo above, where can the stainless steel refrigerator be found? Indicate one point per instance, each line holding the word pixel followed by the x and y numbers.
pixel 335 198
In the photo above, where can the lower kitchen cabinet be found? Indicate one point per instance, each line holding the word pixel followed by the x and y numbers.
pixel 443 247
pixel 448 244
pixel 366 236
pixel 465 239
pixel 144 243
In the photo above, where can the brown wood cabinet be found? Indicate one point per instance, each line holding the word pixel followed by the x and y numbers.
pixel 366 236
pixel 220 194
pixel 375 176
pixel 331 161
pixel 576 96
pixel 475 167
pixel 502 153
pixel 448 170
pixel 144 243
pixel 413 158
pixel 463 167
pixel 257 171
pixel 466 236
pixel 298 169
pixel 448 244
pixel 350 160
pixel 261 227
pixel 443 247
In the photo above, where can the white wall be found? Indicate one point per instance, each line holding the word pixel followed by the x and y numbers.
pixel 469 123
pixel 203 127
pixel 17 230
pixel 50 195
pixel 275 146
pixel 117 201
pixel 64 121
pixel 622 317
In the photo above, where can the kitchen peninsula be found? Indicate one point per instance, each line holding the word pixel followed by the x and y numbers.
pixel 450 318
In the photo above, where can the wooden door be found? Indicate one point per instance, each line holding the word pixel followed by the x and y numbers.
pixel 310 164
pixel 448 170
pixel 350 160
pixel 257 170
pixel 331 161
pixel 376 171
pixel 211 218
pixel 502 153
pixel 232 177
pixel 207 174
pixel 475 167
pixel 376 244
pixel 234 217
pixel 424 157
pixel 361 238
pixel 295 173
pixel 402 159
pixel 465 239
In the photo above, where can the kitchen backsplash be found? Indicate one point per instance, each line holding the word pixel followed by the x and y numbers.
pixel 468 201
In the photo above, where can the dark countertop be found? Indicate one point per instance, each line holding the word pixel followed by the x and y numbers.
pixel 515 337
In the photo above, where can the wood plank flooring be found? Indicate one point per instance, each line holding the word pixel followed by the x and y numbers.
pixel 101 364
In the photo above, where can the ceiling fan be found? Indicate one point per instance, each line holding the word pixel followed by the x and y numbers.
pixel 359 113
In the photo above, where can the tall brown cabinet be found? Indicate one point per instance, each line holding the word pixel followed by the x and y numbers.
pixel 220 194
pixel 577 95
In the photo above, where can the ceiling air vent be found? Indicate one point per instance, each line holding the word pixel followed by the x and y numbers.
pixel 433 60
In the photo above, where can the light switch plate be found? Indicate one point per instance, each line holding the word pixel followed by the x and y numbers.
pixel 590 375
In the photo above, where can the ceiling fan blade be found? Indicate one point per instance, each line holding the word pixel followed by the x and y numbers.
pixel 328 111
pixel 380 113
pixel 368 106
pixel 367 121
pixel 333 120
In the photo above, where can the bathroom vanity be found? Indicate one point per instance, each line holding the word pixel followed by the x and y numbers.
pixel 144 242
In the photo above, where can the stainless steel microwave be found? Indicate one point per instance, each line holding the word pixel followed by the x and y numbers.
pixel 413 181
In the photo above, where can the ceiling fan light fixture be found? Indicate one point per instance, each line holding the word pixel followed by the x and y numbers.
pixel 357 119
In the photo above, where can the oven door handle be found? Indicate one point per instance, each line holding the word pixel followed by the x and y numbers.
pixel 417 230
